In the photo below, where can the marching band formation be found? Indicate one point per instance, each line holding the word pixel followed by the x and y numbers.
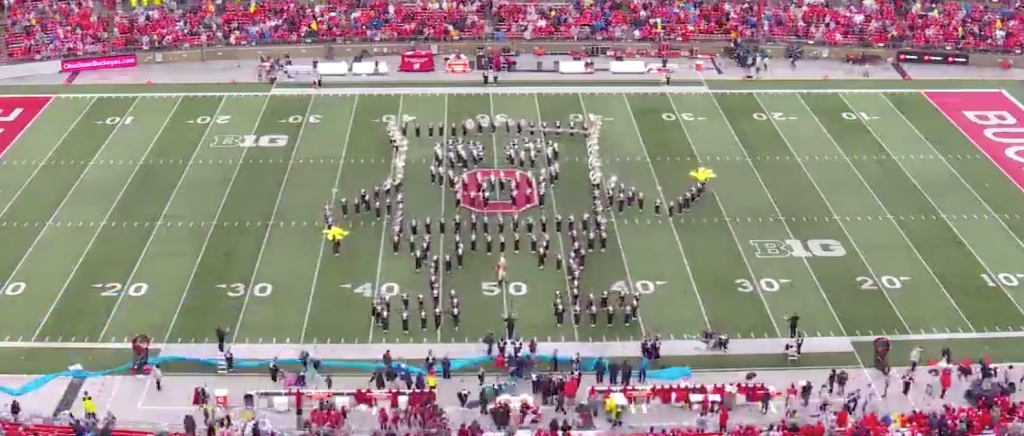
pixel 480 190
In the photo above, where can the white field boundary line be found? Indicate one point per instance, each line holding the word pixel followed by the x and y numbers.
pixel 524 90
pixel 110 211
pixel 334 198
pixel 276 348
pixel 74 186
pixel 160 220
pixel 885 209
pixel 631 285
pixel 273 218
pixel 828 204
pixel 725 215
pixel 46 159
pixel 216 217
pixel 554 208
pixel 388 221
pixel 778 212
pixel 968 186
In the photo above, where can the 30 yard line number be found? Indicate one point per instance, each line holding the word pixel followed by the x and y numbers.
pixel 13 289
pixel 122 289
pixel 236 290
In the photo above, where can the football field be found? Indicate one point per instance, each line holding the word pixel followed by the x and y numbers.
pixel 864 212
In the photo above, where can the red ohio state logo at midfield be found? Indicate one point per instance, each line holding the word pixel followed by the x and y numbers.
pixel 526 192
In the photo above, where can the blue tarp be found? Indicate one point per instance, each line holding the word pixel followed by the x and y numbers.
pixel 588 365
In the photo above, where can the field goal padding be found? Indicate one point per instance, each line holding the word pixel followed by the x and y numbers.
pixel 417 61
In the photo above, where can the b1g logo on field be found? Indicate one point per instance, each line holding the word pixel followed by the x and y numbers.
pixel 769 248
pixel 248 141
pixel 526 192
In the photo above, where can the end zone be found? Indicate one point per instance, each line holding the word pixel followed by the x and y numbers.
pixel 993 120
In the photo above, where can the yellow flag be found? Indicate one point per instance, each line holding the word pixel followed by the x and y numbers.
pixel 703 174
pixel 314 26
pixel 252 8
pixel 135 3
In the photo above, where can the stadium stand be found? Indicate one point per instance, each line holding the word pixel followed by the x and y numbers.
pixel 47 29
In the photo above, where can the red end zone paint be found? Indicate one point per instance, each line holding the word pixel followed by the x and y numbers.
pixel 993 121
pixel 16 113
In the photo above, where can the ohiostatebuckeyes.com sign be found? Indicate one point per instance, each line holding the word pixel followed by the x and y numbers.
pixel 100 63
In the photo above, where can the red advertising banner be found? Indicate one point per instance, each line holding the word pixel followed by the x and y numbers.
pixel 100 63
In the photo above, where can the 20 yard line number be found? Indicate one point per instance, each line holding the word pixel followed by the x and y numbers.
pixel 882 282
pixel 237 290
pixel 122 289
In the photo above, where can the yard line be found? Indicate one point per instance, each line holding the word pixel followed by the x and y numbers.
pixel 110 211
pixel 661 195
pixel 884 209
pixel 725 215
pixel 163 214
pixel 936 206
pixel 778 213
pixel 440 243
pixel 494 164
pixel 554 206
pixel 387 221
pixel 60 206
pixel 821 194
pixel 334 197
pixel 273 215
pixel 55 146
pixel 216 216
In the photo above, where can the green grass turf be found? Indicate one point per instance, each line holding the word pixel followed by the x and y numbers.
pixel 233 238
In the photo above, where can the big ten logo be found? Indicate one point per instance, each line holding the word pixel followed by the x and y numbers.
pixel 250 141
pixel 519 193
pixel 769 248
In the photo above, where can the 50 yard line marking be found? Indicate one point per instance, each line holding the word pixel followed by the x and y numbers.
pixel 334 198
pixel 387 221
pixel 106 217
pixel 216 218
pixel 554 207
pixel 63 201
pixel 273 216
pixel 163 214
pixel 494 160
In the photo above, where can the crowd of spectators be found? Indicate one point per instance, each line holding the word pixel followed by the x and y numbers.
pixel 45 29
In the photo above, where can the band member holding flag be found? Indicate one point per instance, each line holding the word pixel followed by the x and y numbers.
pixel 334 234
pixel 500 270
